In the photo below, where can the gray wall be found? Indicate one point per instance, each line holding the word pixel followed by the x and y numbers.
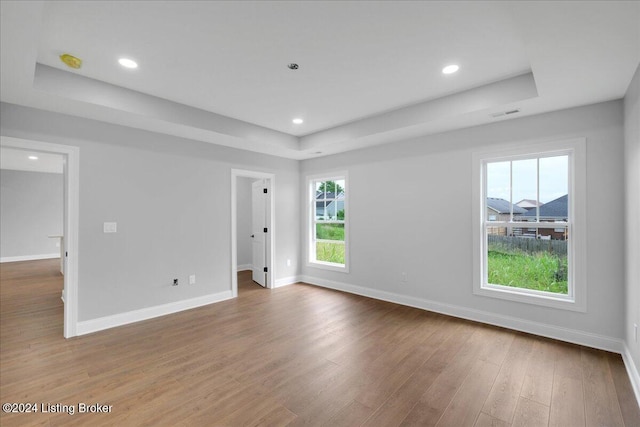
pixel 244 221
pixel 429 234
pixel 171 199
pixel 632 211
pixel 31 208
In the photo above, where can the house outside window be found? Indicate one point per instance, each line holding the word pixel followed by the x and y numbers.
pixel 529 224
pixel 328 220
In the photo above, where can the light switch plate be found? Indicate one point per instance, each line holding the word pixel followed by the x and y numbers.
pixel 110 227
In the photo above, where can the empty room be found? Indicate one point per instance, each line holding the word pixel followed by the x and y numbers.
pixel 344 213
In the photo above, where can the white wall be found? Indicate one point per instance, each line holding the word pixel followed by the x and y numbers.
pixel 171 199
pixel 31 209
pixel 244 221
pixel 632 219
pixel 427 233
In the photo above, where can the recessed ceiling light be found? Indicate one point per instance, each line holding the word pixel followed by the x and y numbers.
pixel 450 69
pixel 128 63
pixel 298 121
pixel 33 157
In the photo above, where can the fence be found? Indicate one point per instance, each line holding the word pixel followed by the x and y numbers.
pixel 528 245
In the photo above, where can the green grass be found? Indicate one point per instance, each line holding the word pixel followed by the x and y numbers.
pixel 542 271
pixel 330 252
pixel 327 251
pixel 330 232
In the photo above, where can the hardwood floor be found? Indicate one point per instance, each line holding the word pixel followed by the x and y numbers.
pixel 291 356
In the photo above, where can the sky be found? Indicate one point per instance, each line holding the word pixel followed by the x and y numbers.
pixel 554 179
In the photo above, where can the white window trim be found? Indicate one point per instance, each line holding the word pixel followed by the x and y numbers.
pixel 577 251
pixel 310 223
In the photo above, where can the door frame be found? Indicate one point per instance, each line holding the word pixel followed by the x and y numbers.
pixel 71 175
pixel 271 220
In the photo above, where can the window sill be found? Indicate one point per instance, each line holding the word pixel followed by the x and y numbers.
pixel 328 266
pixel 563 302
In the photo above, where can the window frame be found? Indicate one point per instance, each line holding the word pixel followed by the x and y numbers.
pixel 576 299
pixel 311 222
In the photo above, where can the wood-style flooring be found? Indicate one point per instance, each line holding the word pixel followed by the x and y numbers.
pixel 295 355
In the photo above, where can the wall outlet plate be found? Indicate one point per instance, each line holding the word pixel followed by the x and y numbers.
pixel 110 227
pixel 192 279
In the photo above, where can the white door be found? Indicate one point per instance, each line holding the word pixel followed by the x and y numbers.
pixel 258 234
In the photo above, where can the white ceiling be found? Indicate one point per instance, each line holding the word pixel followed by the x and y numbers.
pixel 370 72
pixel 18 160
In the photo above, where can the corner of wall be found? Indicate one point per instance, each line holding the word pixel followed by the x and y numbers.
pixel 631 354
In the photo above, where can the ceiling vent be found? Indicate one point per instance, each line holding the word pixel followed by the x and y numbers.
pixel 505 113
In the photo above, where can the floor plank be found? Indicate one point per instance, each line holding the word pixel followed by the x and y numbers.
pixel 353 414
pixel 530 414
pixel 538 380
pixel 465 406
pixel 501 402
pixel 485 420
pixel 601 401
pixel 567 402
pixel 626 397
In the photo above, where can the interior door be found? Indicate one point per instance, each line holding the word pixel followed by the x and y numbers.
pixel 258 234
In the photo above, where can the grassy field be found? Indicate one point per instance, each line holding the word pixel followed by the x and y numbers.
pixel 543 271
pixel 330 252
pixel 330 231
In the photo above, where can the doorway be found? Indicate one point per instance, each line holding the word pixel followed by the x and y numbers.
pixel 69 242
pixel 263 220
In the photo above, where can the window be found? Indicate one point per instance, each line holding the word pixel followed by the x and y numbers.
pixel 529 220
pixel 328 222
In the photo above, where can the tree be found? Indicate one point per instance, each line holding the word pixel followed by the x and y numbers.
pixel 330 187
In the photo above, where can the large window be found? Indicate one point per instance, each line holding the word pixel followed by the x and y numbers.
pixel 328 220
pixel 530 224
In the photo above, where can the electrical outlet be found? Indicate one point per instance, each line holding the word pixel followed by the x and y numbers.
pixel 635 332
pixel 288 263
pixel 175 282
pixel 110 227
pixel 192 279
pixel 403 277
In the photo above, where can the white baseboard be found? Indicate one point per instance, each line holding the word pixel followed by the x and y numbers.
pixel 632 370
pixel 107 322
pixel 244 267
pixel 537 328
pixel 29 257
pixel 286 281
